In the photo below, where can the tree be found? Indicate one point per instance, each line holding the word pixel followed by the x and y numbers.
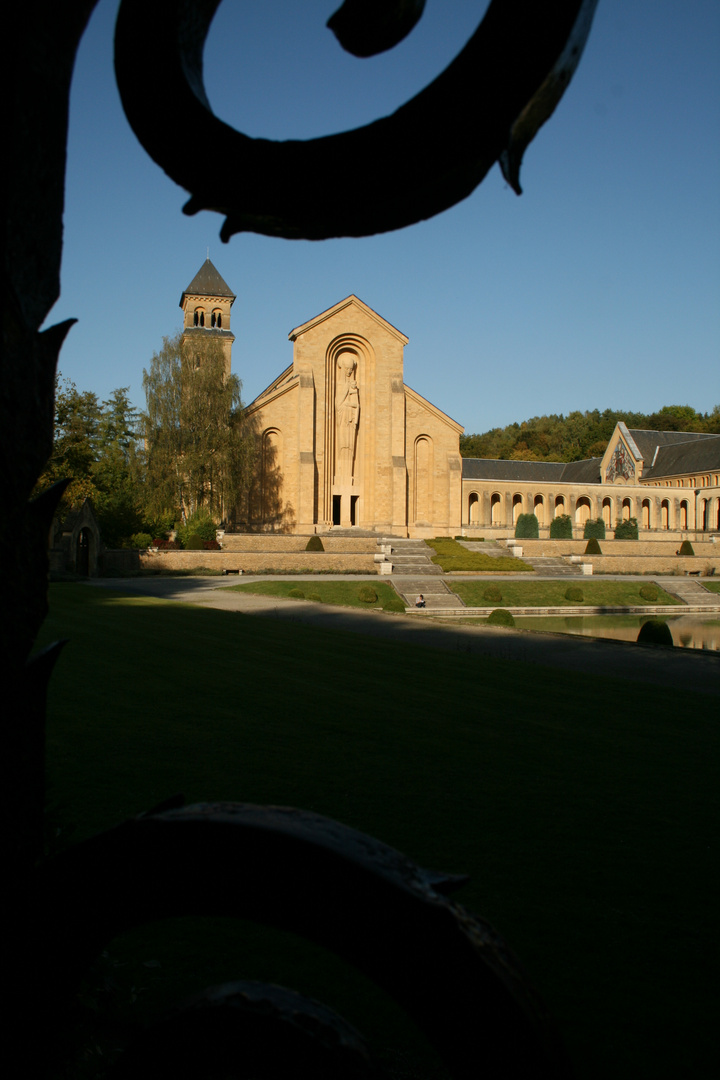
pixel 95 446
pixel 198 451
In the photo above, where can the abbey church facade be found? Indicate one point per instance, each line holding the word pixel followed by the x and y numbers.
pixel 344 442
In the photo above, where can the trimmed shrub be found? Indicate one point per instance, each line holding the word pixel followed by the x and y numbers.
pixel 194 543
pixel 574 593
pixel 655 632
pixel 650 593
pixel 492 594
pixel 592 547
pixel 141 540
pixel 314 543
pixel 686 548
pixel 527 527
pixel 500 617
pixel 316 597
pixel 297 594
pixel 594 529
pixel 626 530
pixel 561 527
pixel 367 594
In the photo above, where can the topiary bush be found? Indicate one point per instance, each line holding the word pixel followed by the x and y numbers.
pixel 626 530
pixel 500 617
pixel 314 543
pixel 592 547
pixel 594 529
pixel 367 594
pixel 650 593
pixel 194 543
pixel 492 594
pixel 655 632
pixel 561 527
pixel 297 594
pixel 527 527
pixel 574 593
pixel 686 548
pixel 315 597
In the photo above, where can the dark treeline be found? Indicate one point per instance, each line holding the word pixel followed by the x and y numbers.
pixel 579 434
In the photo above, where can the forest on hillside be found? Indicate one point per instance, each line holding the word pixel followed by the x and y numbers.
pixel 579 434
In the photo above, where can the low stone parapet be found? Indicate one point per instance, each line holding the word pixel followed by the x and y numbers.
pixel 259 562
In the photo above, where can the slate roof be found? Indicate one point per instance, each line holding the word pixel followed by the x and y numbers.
pixel 207 282
pixel 647 441
pixel 701 454
pixel 538 472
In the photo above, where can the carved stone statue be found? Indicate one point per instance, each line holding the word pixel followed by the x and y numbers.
pixel 347 416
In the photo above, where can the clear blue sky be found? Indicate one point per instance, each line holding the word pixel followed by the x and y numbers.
pixel 598 288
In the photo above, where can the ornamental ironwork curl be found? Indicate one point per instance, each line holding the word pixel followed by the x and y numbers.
pixel 435 149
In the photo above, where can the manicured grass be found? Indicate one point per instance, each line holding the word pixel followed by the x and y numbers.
pixel 453 558
pixel 713 586
pixel 547 593
pixel 584 808
pixel 342 593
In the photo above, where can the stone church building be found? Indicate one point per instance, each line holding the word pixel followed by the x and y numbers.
pixel 343 441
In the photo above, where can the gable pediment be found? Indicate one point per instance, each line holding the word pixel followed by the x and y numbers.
pixel 622 462
pixel 343 305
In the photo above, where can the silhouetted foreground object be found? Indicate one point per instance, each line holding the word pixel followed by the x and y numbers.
pixel 304 873
pixel 449 970
pixel 435 149
pixel 655 632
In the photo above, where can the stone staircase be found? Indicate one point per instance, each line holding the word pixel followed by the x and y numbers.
pixel 689 591
pixel 553 566
pixel 410 557
pixel 436 593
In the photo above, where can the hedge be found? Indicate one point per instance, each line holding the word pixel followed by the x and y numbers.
pixel 594 529
pixel 527 527
pixel 561 527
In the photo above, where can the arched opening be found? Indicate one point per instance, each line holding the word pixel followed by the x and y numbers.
pixel 82 553
pixel 626 509
pixel 517 507
pixel 582 510
pixel 645 514
pixel 684 514
pixel 495 504
pixel 216 321
pixel 199 317
pixel 423 479
pixel 665 514
pixel 539 509
pixel 705 514
pixel 607 513
pixel 473 509
pixel 559 505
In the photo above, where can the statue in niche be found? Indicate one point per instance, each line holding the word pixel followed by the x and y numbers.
pixel 347 415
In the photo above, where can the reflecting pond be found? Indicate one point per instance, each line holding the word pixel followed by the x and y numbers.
pixel 688 631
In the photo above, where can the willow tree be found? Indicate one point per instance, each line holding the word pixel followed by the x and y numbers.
pixel 198 453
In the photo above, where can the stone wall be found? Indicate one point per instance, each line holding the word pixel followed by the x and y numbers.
pixel 656 548
pixel 251 542
pixel 258 562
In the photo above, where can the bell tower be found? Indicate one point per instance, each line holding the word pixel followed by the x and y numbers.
pixel 206 307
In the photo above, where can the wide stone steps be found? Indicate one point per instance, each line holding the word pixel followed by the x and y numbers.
pixel 434 590
pixel 690 592
pixel 410 557
pixel 553 566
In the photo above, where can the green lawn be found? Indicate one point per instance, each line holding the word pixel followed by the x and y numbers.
pixel 713 586
pixel 453 558
pixel 547 593
pixel 584 808
pixel 342 593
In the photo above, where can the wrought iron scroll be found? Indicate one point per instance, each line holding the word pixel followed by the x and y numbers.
pixel 485 107
pixel 330 884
